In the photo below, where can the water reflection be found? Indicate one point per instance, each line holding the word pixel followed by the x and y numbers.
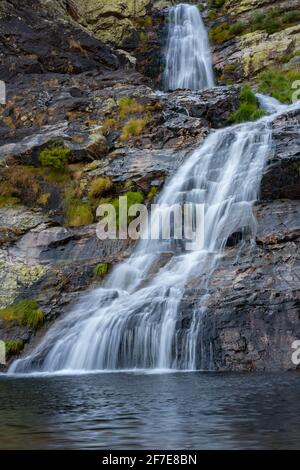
pixel 121 411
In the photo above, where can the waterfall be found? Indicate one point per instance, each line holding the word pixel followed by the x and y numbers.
pixel 135 319
pixel 188 58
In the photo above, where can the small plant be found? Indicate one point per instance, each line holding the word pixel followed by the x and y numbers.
pixel 109 125
pixel 79 213
pixel 100 186
pixel 24 312
pixel 248 109
pixel 43 200
pixel 13 347
pixel 55 158
pixel 216 3
pixel 152 193
pixel 220 33
pixel 101 269
pixel 128 105
pixel 8 194
pixel 134 127
pixel 278 83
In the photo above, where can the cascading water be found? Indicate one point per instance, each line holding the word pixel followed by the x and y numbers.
pixel 135 319
pixel 188 58
pixel 132 321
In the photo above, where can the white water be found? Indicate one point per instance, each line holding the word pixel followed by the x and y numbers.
pixel 135 320
pixel 188 58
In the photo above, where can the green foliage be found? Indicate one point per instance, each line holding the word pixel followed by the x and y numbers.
pixel 220 33
pixel 134 127
pixel 211 15
pixel 248 109
pixel 274 20
pixel 79 213
pixel 278 83
pixel 152 193
pixel 6 201
pixel 55 158
pixel 8 194
pixel 271 21
pixel 25 312
pixel 128 105
pixel 13 347
pixel 101 269
pixel 145 22
pixel 100 186
pixel 216 3
pixel 143 36
pixel 109 125
pixel 247 96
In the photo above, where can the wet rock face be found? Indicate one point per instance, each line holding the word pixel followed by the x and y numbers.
pixel 252 313
pixel 34 41
pixel 282 176
pixel 213 106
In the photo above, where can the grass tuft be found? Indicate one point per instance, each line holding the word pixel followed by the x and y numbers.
pixel 248 109
pixel 100 186
pixel 134 127
pixel 278 83
pixel 128 105
pixel 24 312
pixel 13 347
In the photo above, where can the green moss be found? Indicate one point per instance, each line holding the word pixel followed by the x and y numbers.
pixel 25 312
pixel 152 193
pixel 100 186
pixel 55 158
pixel 248 109
pixel 216 3
pixel 79 213
pixel 134 127
pixel 13 347
pixel 6 201
pixel 101 269
pixel 278 83
pixel 143 36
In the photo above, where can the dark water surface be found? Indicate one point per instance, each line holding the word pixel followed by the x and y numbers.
pixel 140 411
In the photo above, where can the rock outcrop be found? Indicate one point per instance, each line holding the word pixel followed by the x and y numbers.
pixel 81 76
pixel 249 37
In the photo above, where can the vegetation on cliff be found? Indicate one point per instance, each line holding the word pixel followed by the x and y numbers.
pixel 24 312
pixel 248 109
pixel 279 84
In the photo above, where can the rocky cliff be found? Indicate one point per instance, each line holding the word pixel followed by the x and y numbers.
pixel 81 79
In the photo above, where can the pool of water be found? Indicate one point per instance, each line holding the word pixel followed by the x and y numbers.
pixel 144 411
